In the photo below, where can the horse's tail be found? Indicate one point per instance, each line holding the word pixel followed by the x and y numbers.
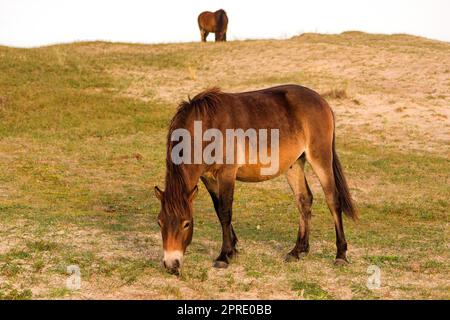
pixel 221 18
pixel 345 198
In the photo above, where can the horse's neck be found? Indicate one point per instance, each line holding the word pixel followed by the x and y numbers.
pixel 190 172
pixel 191 176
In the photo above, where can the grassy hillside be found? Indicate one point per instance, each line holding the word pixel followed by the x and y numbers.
pixel 82 142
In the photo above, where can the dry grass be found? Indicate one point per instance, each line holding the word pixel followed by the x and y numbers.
pixel 336 94
pixel 82 129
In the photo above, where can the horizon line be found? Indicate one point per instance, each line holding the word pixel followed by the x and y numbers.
pixel 234 39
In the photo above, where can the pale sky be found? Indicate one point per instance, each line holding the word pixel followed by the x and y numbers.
pixel 26 23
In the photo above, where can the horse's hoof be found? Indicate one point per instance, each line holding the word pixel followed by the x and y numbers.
pixel 340 262
pixel 220 265
pixel 291 258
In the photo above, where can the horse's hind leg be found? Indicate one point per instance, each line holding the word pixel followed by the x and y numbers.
pixel 304 198
pixel 222 191
pixel 204 34
pixel 219 36
pixel 320 157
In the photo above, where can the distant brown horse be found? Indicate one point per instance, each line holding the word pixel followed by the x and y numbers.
pixel 216 22
pixel 305 124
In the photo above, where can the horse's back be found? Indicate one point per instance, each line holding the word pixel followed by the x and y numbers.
pixel 293 101
pixel 294 110
pixel 301 92
pixel 205 14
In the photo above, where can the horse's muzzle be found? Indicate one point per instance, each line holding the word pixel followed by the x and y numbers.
pixel 174 268
pixel 172 261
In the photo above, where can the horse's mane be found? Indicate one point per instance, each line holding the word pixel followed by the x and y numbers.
pixel 204 106
pixel 220 19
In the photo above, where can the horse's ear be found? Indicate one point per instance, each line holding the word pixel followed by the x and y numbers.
pixel 159 193
pixel 193 193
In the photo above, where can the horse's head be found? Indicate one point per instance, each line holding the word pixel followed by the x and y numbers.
pixel 177 225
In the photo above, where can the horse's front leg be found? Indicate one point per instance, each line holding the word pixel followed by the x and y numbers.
pixel 222 191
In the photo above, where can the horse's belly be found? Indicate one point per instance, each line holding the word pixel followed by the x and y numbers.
pixel 252 173
pixel 288 154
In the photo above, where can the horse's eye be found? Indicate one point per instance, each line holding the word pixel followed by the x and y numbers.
pixel 159 223
pixel 186 225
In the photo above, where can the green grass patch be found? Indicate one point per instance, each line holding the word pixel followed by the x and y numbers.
pixel 8 293
pixel 309 290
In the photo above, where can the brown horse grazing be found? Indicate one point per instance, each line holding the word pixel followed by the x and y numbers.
pixel 305 124
pixel 216 22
